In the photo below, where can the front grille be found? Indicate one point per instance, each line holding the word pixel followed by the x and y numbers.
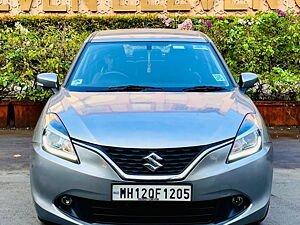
pixel 174 160
pixel 143 212
pixel 131 161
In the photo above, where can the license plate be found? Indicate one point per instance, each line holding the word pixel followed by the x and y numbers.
pixel 151 192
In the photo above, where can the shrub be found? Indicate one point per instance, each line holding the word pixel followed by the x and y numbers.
pixel 267 44
pixel 277 85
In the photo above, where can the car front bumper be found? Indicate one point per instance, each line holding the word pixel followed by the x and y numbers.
pixel 211 179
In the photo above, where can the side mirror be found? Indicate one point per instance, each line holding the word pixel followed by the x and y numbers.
pixel 247 80
pixel 48 80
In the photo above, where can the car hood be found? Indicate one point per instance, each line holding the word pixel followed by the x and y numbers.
pixel 151 119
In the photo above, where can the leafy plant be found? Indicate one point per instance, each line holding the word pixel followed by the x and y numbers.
pixel 267 44
pixel 277 85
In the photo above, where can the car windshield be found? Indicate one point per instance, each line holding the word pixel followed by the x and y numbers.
pixel 157 66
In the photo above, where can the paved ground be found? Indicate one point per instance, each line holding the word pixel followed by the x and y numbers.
pixel 16 206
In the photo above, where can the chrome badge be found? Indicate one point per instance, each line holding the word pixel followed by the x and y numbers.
pixel 153 163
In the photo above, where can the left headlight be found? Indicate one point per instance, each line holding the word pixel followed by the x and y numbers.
pixel 248 140
pixel 56 139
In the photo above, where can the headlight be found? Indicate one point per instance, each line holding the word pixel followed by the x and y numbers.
pixel 56 139
pixel 248 140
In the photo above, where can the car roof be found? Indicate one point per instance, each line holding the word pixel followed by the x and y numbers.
pixel 147 35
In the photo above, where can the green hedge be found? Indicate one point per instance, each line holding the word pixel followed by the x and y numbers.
pixel 267 44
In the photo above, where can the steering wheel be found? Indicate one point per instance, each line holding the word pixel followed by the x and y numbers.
pixel 116 73
pixel 113 77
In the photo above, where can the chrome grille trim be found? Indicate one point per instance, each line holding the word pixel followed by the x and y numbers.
pixel 152 177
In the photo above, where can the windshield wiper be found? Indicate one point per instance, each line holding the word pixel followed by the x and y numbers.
pixel 204 88
pixel 133 88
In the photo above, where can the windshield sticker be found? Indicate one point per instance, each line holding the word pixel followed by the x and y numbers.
pixel 178 46
pixel 76 82
pixel 200 47
pixel 219 77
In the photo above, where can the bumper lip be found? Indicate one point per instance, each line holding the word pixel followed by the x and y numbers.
pixel 180 176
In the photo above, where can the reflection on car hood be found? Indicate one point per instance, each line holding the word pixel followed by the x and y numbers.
pixel 151 119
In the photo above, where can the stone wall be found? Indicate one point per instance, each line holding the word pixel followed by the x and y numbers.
pixel 142 7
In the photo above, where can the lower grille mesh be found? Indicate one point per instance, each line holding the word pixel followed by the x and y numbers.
pixel 152 212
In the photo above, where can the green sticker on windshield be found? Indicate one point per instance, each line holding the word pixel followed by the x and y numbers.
pixel 219 77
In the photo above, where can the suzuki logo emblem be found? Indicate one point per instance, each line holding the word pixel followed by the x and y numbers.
pixel 153 163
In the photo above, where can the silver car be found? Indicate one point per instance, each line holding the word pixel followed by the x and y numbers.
pixel 150 127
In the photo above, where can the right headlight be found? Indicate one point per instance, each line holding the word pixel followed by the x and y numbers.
pixel 56 140
pixel 248 140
